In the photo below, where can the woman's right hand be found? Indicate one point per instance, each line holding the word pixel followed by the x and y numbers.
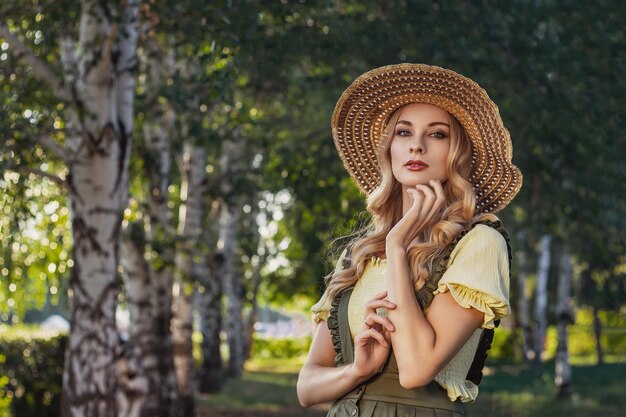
pixel 372 344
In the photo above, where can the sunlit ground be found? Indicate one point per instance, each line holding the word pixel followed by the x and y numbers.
pixel 267 388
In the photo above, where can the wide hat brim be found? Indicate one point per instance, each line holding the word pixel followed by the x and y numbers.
pixel 365 106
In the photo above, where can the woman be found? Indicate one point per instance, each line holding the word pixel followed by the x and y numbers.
pixel 418 290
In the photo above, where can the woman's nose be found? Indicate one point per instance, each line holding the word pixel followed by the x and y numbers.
pixel 417 146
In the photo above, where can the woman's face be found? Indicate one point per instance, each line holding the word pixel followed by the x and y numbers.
pixel 420 145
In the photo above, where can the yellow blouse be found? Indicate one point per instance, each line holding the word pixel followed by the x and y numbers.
pixel 477 275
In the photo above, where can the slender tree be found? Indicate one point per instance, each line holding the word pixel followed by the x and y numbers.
pixel 563 370
pixel 541 297
pixel 98 88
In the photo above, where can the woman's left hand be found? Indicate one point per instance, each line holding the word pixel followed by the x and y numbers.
pixel 427 201
pixel 372 343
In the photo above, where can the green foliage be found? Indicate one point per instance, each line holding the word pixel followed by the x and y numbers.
pixel 503 346
pixel 35 244
pixel 264 348
pixel 581 341
pixel 31 362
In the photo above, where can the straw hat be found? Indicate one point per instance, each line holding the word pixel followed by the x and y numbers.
pixel 364 108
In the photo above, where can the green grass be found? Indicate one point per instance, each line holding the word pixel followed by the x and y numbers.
pixel 267 388
pixel 526 391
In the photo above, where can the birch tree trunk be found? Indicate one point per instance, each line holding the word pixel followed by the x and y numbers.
pixel 233 288
pixel 148 290
pixel 98 92
pixel 183 349
pixel 563 370
pixel 541 296
pixel 256 283
pixel 210 308
pixel 142 334
pixel 190 267
pixel 524 312
pixel 163 398
pixel 103 81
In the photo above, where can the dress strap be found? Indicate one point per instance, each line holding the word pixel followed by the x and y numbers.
pixel 340 328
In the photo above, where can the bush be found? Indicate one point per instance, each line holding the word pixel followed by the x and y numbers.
pixel 280 348
pixel 581 338
pixel 31 362
pixel 504 345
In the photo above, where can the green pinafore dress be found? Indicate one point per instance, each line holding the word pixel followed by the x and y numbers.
pixel 382 395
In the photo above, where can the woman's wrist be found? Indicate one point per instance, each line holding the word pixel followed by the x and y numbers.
pixel 394 248
pixel 356 375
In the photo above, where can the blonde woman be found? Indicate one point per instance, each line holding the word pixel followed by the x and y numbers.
pixel 407 315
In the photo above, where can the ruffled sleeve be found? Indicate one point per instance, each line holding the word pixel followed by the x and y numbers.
pixel 321 309
pixel 478 274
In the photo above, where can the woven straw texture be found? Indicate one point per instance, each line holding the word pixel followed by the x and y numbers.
pixel 365 106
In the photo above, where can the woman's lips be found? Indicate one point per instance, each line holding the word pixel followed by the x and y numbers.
pixel 416 165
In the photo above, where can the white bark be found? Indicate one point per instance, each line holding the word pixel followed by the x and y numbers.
pixel 183 359
pixel 210 309
pixel 142 337
pixel 541 296
pixel 99 195
pixel 162 400
pixel 188 263
pixel 523 311
pixel 563 370
pixel 227 243
pixel 255 283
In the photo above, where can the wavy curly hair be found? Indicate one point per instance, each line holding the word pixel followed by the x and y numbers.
pixel 385 206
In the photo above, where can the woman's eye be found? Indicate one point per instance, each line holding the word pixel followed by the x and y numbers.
pixel 402 132
pixel 439 135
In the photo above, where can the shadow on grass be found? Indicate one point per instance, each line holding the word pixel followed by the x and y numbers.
pixel 526 391
pixel 511 390
pixel 256 394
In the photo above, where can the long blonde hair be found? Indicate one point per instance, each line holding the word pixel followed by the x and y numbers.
pixel 385 206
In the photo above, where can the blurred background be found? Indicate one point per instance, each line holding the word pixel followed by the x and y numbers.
pixel 170 191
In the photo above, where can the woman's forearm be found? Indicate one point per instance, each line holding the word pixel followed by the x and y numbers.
pixel 319 384
pixel 414 339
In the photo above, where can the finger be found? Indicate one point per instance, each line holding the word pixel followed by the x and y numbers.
pixel 378 296
pixel 374 304
pixel 438 189
pixel 440 197
pixel 373 319
pixel 415 199
pixel 410 220
pixel 429 199
pixel 362 337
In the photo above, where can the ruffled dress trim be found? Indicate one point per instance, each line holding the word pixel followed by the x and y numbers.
pixel 492 308
pixel 333 325
pixel 426 294
pixel 465 391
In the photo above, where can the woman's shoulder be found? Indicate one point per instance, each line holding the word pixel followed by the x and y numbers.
pixel 482 240
pixel 483 233
pixel 486 232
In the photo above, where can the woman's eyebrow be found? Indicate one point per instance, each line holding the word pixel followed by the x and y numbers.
pixel 406 122
pixel 438 123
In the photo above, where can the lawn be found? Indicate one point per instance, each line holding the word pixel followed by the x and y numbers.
pixel 267 388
